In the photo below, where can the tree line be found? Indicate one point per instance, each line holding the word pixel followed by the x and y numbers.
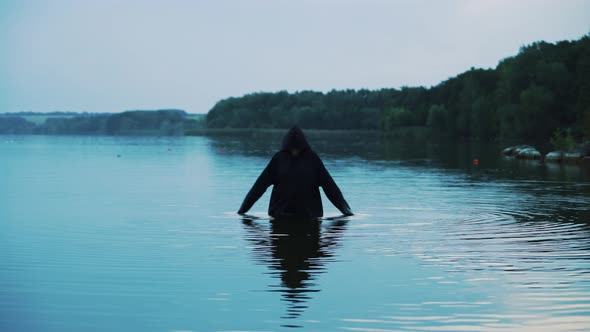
pixel 542 91
pixel 169 122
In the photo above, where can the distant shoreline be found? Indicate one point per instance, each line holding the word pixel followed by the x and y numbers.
pixel 229 131
pixel 164 122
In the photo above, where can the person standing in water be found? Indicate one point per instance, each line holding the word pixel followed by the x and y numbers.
pixel 296 173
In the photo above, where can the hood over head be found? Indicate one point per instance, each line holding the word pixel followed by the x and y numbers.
pixel 294 139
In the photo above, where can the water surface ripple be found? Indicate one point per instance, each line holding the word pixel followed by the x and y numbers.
pixel 140 234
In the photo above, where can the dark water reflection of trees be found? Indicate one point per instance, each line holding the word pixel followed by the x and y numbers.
pixel 441 153
pixel 532 178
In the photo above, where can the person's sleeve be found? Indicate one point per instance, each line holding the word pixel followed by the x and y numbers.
pixel 331 190
pixel 264 181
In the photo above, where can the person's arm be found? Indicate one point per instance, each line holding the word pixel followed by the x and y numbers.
pixel 331 190
pixel 262 183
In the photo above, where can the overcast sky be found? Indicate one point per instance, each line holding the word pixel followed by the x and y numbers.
pixel 111 55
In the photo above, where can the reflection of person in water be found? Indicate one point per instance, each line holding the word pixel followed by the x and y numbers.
pixel 296 252
pixel 296 173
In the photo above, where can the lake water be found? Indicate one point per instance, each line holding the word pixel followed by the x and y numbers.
pixel 140 234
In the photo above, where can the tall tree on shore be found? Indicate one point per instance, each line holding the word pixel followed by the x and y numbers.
pixel 544 87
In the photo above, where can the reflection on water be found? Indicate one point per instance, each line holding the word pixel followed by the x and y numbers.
pixel 296 251
pixel 141 234
pixel 455 155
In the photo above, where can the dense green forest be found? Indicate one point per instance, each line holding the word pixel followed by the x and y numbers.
pixel 541 92
pixel 170 122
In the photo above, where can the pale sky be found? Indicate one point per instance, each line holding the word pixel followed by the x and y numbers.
pixel 112 55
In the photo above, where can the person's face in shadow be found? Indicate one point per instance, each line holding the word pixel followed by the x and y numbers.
pixel 295 152
pixel 296 251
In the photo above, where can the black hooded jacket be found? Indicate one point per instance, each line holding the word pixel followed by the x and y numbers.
pixel 296 181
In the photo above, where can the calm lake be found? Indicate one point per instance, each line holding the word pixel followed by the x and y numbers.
pixel 140 234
